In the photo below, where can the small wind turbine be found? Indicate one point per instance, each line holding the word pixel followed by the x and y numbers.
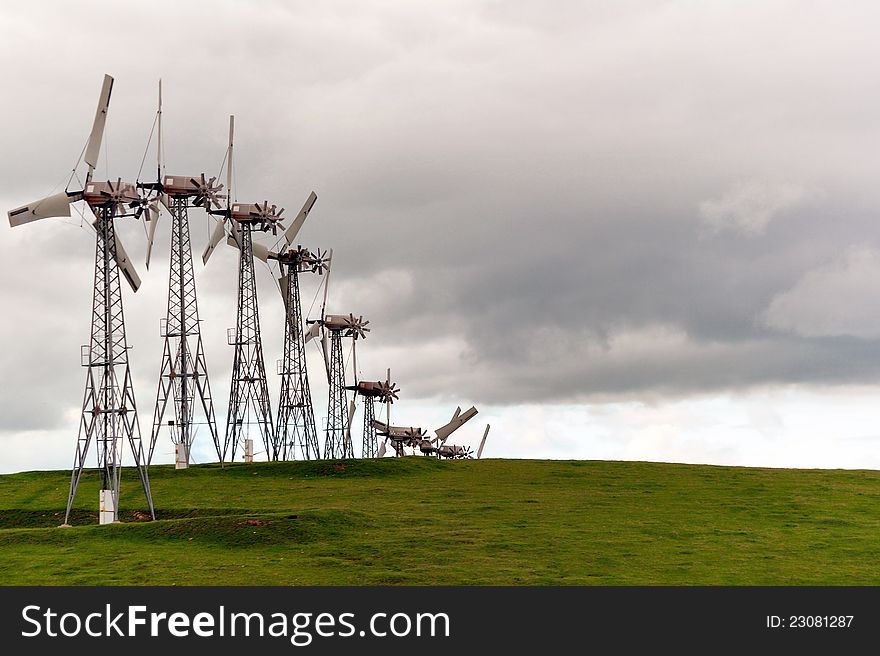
pixel 381 391
pixel 337 443
pixel 296 416
pixel 249 388
pixel 109 412
pixel 183 373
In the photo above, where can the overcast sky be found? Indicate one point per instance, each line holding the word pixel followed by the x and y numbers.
pixel 638 230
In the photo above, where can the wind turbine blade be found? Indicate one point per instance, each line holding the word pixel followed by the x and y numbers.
pixel 229 198
pixel 165 200
pixel 351 408
pixel 381 453
pixel 282 285
pixel 326 355
pixel 293 230
pixel 458 420
pixel 152 232
pixel 354 360
pixel 93 148
pixel 125 266
pixel 326 285
pixel 216 237
pixel 56 205
pixel 260 252
pixel 236 235
pixel 483 442
pixel 388 399
pixel 159 135
pixel 314 331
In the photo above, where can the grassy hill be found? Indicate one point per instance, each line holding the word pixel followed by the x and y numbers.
pixel 421 521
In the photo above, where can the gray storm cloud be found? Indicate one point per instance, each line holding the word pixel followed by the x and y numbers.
pixel 749 207
pixel 518 197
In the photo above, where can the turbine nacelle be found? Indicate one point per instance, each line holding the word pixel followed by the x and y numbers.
pixel 204 192
pixel 413 434
pixel 296 257
pixel 379 389
pixel 119 193
pixel 302 260
pixel 262 217
pixel 452 451
pixel 352 326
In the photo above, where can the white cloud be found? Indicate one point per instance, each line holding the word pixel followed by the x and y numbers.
pixel 748 207
pixel 840 298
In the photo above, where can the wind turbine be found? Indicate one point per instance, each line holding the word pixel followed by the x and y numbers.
pixel 109 412
pixel 381 391
pixel 417 438
pixel 337 441
pixel 388 401
pixel 183 373
pixel 296 416
pixel 249 391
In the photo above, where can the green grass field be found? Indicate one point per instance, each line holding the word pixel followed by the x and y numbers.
pixel 421 521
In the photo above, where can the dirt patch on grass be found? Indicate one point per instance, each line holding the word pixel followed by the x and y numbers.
pixel 257 522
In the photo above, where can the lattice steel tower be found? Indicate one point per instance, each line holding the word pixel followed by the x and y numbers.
pixel 249 404
pixel 296 416
pixel 369 446
pixel 183 375
pixel 249 391
pixel 109 413
pixel 381 391
pixel 337 442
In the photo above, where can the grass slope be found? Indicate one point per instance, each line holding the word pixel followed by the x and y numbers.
pixel 422 521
